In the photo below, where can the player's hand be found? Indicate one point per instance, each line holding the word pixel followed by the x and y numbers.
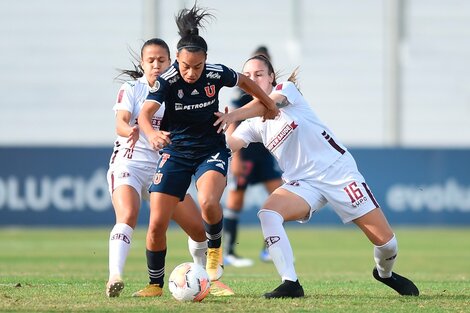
pixel 133 137
pixel 224 120
pixel 271 113
pixel 159 139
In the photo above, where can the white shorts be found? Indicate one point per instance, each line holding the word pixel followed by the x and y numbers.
pixel 341 185
pixel 139 178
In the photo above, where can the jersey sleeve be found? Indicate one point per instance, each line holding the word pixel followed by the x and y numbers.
pixel 247 132
pixel 229 76
pixel 125 96
pixel 288 90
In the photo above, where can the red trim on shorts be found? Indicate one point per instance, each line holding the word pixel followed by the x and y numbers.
pixel 371 196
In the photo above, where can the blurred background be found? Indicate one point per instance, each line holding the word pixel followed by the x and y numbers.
pixel 391 78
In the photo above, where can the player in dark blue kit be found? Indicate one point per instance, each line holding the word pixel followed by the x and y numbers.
pixel 190 145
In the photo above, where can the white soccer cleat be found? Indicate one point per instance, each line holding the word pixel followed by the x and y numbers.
pixel 114 287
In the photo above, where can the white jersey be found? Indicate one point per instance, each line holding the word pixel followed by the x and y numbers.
pixel 131 97
pixel 301 143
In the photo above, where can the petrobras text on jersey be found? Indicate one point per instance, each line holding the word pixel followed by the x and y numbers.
pixel 65 193
pixel 180 106
pixel 448 196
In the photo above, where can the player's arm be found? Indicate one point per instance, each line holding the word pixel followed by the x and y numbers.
pixel 123 129
pixel 251 109
pixel 158 139
pixel 253 89
pixel 234 143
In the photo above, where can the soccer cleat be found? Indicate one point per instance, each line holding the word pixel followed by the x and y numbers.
pixel 219 289
pixel 400 284
pixel 214 265
pixel 236 261
pixel 151 290
pixel 114 287
pixel 288 289
pixel 265 256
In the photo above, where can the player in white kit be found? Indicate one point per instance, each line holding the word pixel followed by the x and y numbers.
pixel 317 169
pixel 132 166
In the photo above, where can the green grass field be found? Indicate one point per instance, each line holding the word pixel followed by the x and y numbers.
pixel 65 270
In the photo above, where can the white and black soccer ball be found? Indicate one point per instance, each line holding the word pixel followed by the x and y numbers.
pixel 189 282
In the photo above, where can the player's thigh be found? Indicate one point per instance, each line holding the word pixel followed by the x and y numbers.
pixel 126 203
pixel 188 216
pixel 375 226
pixel 289 205
pixel 272 184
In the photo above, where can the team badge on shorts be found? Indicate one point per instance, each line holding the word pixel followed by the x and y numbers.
pixel 157 178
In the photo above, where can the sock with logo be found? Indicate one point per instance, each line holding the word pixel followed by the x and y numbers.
pixel 214 234
pixel 198 251
pixel 156 266
pixel 385 256
pixel 119 245
pixel 230 229
pixel 278 243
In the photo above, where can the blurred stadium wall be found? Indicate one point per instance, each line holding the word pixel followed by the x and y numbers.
pixel 391 78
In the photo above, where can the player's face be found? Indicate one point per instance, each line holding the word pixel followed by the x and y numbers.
pixel 258 72
pixel 155 60
pixel 191 64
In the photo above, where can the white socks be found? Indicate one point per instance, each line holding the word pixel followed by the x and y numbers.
pixel 119 244
pixel 385 256
pixel 198 251
pixel 278 244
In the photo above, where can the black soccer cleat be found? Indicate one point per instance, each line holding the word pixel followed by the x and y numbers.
pixel 400 284
pixel 288 289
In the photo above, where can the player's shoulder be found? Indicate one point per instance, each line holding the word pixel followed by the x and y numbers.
pixel 170 75
pixel 285 85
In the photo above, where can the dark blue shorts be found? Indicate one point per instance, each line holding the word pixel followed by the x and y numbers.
pixel 173 174
pixel 259 166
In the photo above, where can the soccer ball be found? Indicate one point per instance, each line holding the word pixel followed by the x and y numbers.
pixel 189 282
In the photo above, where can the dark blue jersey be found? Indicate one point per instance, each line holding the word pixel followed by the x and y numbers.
pixel 189 108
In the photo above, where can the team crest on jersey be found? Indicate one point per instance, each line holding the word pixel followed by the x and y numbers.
pixel 155 86
pixel 180 93
pixel 157 178
pixel 210 91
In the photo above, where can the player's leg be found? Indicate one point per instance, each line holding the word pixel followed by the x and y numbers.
pixel 232 212
pixel 210 187
pixel 377 229
pixel 282 205
pixel 126 203
pixel 270 186
pixel 188 216
pixel 161 210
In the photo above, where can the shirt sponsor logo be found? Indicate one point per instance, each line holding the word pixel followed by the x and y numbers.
pixel 213 75
pixel 188 107
pixel 281 137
